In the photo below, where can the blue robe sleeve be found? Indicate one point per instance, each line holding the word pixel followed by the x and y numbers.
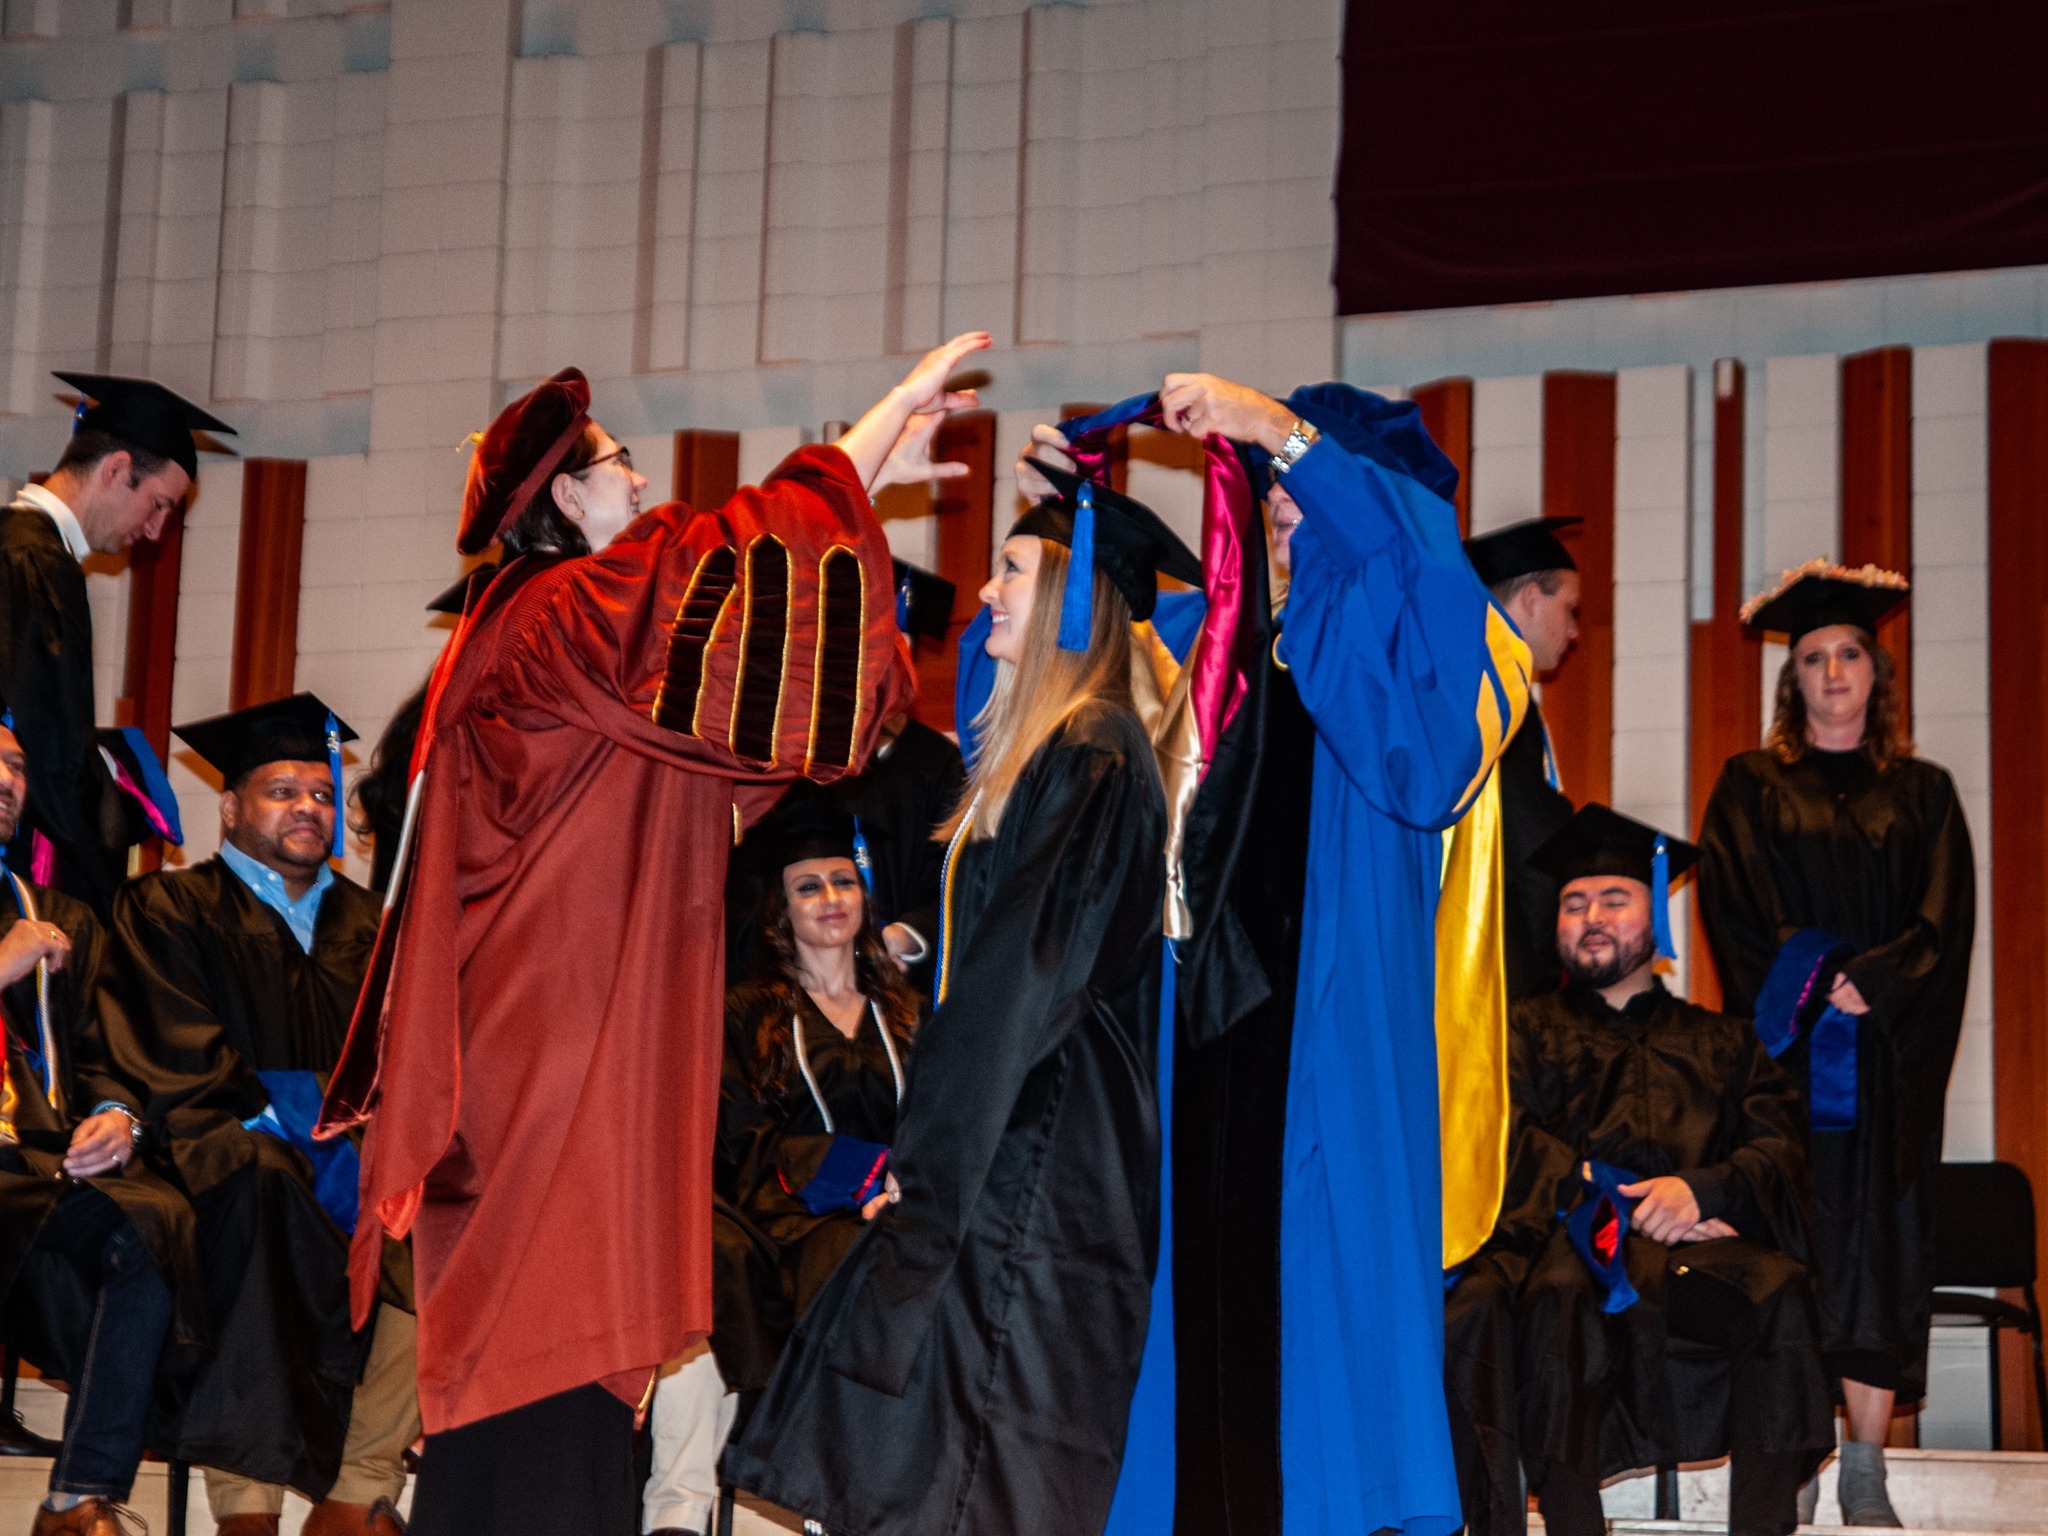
pixel 1414 678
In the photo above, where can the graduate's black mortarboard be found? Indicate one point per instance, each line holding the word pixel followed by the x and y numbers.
pixel 300 729
pixel 142 414
pixel 1105 530
pixel 455 598
pixel 808 824
pixel 1599 840
pixel 924 602
pixel 1820 593
pixel 1521 549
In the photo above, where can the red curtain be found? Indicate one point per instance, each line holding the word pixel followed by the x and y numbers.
pixel 1495 152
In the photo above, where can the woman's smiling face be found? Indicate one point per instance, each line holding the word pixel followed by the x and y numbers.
pixel 1008 596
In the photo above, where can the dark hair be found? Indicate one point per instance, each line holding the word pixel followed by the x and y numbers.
pixel 87 449
pixel 1885 738
pixel 1547 581
pixel 774 1062
pixel 542 526
pixel 379 795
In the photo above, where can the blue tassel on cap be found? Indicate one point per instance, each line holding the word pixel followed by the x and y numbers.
pixel 1077 602
pixel 334 767
pixel 1660 899
pixel 78 415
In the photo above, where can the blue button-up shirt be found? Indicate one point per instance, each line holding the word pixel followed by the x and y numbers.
pixel 268 885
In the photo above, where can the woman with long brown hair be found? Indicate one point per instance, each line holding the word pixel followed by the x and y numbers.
pixel 1839 895
pixel 970 1366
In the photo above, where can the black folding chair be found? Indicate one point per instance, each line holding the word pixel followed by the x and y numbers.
pixel 1984 1236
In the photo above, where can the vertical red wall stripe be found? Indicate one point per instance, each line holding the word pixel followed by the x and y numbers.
pixel 1447 414
pixel 266 645
pixel 966 515
pixel 707 468
pixel 1578 481
pixel 1726 663
pixel 152 654
pixel 1877 483
pixel 2018 583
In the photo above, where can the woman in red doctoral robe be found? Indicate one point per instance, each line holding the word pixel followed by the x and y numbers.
pixel 536 1055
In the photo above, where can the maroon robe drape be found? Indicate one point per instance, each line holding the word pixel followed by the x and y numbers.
pixel 541 1079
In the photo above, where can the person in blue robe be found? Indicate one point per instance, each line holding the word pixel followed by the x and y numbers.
pixel 1413 680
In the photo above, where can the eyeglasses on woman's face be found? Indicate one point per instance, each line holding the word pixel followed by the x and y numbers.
pixel 622 455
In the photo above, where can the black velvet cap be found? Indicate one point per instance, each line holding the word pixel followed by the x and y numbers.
pixel 924 602
pixel 807 824
pixel 292 730
pixel 1521 549
pixel 143 414
pixel 1599 840
pixel 1133 547
pixel 1819 594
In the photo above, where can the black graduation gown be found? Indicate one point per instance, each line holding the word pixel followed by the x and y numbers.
pixel 210 987
pixel 45 1311
pixel 46 680
pixel 1881 860
pixel 1245 859
pixel 969 1367
pixel 767 1141
pixel 1530 812
pixel 1658 1087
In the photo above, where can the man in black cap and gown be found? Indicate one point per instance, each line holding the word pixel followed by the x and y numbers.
pixel 97 1269
pixel 1667 1315
pixel 128 467
pixel 234 981
pixel 1533 578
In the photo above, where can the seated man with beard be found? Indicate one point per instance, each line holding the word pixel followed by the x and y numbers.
pixel 1646 1275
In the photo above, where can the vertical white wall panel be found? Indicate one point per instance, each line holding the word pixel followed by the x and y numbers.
pixel 1802 477
pixel 1507 451
pixel 206 628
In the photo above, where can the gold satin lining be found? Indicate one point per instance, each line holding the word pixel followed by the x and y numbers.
pixel 1499 718
pixel 1161 694
pixel 1471 1027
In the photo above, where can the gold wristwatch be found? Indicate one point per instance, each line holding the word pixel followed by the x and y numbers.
pixel 1300 438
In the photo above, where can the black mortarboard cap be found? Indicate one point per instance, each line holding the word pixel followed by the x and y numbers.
pixel 292 730
pixel 924 602
pixel 1132 546
pixel 807 824
pixel 1820 593
pixel 1599 840
pixel 1521 549
pixel 143 414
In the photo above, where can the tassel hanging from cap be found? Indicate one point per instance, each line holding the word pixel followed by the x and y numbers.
pixel 333 735
pixel 1077 601
pixel 1660 898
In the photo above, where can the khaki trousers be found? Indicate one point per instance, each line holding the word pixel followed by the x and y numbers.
pixel 693 1414
pixel 384 1418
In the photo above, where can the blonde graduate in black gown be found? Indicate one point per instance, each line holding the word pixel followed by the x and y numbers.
pixel 1835 825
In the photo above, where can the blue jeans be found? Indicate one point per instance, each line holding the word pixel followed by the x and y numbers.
pixel 131 1314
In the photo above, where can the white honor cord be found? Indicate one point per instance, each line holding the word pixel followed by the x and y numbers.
pixel 405 830
pixel 803 1061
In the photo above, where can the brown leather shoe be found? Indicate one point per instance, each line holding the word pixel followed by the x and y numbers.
pixel 88 1517
pixel 333 1517
pixel 247 1525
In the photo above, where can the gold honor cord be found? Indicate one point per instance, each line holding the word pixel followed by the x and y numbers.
pixel 1471 1027
pixel 946 900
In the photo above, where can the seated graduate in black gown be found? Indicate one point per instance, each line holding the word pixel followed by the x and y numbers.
pixel 817 1042
pixel 232 983
pixel 1668 1316
pixel 97 1269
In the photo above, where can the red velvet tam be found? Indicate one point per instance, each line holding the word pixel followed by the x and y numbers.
pixel 518 454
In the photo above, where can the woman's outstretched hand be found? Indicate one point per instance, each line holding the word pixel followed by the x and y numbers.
pixel 1050 444
pixel 891 444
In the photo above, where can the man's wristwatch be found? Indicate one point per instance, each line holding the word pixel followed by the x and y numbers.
pixel 1300 438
